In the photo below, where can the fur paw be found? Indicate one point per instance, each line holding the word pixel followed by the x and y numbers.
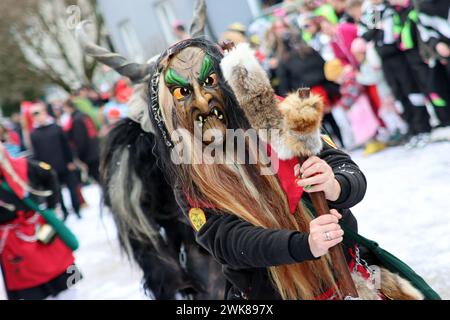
pixel 395 287
pixel 302 116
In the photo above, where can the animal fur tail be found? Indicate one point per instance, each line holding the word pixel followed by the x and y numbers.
pixel 302 118
pixel 395 287
pixel 252 88
pixel 135 190
pixel 392 286
pixel 298 120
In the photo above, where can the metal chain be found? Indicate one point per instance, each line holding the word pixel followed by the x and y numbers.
pixel 363 263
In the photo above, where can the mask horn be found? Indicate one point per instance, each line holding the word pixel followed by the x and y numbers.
pixel 198 24
pixel 134 71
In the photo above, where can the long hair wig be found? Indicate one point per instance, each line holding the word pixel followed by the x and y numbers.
pixel 236 188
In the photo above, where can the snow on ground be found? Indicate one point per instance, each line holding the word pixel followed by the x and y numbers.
pixel 405 210
pixel 107 273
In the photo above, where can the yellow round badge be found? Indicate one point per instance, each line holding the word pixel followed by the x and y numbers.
pixel 45 165
pixel 197 218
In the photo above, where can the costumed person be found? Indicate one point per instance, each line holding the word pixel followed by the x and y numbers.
pixel 427 69
pixel 83 137
pixel 152 230
pixel 259 227
pixel 36 264
pixel 395 67
pixel 370 73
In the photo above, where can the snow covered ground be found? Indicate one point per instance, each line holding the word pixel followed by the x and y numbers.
pixel 405 210
pixel 107 273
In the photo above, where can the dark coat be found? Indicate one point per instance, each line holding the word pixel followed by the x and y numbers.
pixel 51 146
pixel 297 72
pixel 40 177
pixel 83 136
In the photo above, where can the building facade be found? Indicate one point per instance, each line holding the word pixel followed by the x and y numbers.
pixel 140 29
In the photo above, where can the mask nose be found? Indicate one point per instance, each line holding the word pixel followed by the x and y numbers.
pixel 202 99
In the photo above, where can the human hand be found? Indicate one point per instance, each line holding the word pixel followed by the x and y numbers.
pixel 443 49
pixel 324 233
pixel 316 175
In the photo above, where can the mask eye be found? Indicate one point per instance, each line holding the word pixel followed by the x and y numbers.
pixel 211 80
pixel 180 93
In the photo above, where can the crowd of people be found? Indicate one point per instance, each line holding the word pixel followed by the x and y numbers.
pixel 381 66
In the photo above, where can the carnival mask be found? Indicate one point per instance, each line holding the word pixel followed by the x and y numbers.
pixel 193 82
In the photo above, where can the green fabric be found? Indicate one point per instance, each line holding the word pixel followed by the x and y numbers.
pixel 50 217
pixel 406 36
pixel 406 33
pixel 439 102
pixel 397 25
pixel 307 36
pixel 392 263
pixel 413 16
pixel 86 107
pixel 327 12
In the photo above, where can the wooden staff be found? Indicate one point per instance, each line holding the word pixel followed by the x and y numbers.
pixel 345 282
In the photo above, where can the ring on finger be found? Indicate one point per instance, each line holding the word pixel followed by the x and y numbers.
pixel 328 236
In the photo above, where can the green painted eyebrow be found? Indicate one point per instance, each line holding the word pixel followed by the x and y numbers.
pixel 174 79
pixel 207 66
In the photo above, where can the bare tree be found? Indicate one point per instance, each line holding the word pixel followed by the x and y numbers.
pixel 44 30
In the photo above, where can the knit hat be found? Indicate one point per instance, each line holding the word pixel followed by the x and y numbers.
pixel 333 69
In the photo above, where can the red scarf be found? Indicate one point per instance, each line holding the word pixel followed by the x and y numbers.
pixel 287 178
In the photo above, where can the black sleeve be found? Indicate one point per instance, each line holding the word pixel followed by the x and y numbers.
pixel 282 74
pixel 44 178
pixel 370 34
pixel 34 146
pixel 352 181
pixel 67 151
pixel 80 137
pixel 6 216
pixel 239 244
pixel 315 65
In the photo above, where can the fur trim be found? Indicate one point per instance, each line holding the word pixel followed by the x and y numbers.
pixel 396 288
pixel 393 287
pixel 241 56
pixel 283 150
pixel 301 124
pixel 365 288
pixel 303 144
pixel 252 88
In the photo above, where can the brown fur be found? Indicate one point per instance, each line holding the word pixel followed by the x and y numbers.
pixel 301 124
pixel 396 288
pixel 365 288
pixel 301 116
pixel 256 97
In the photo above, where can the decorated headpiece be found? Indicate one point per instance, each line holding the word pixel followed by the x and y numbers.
pixel 142 74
